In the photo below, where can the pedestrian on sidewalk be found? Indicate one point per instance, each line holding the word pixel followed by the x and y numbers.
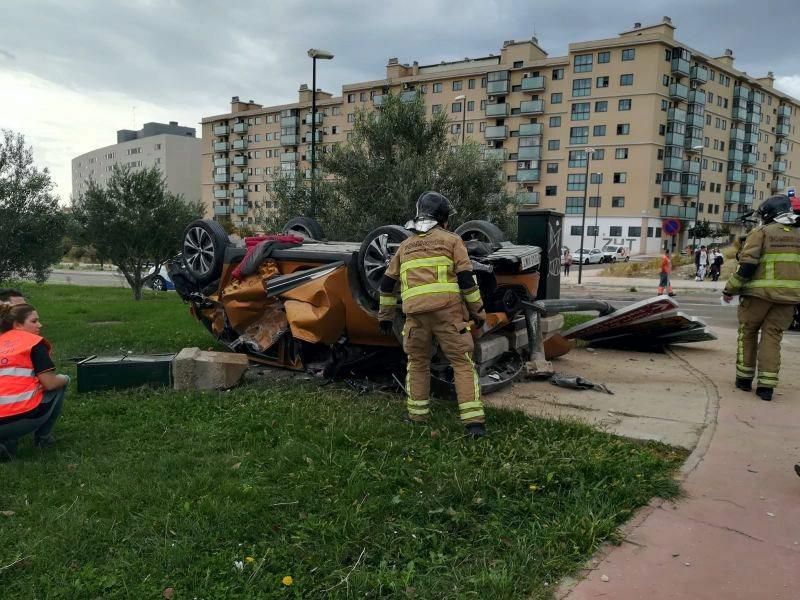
pixel 768 281
pixel 664 283
pixel 700 263
pixel 567 262
pixel 716 264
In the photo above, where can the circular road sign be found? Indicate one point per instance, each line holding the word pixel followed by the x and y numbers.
pixel 671 226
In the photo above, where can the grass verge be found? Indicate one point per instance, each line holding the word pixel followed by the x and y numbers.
pixel 230 494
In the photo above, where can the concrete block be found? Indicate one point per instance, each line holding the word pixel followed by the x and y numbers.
pixel 538 368
pixel 551 324
pixel 489 347
pixel 195 369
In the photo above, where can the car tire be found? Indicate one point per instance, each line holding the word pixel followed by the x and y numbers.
pixel 613 260
pixel 203 250
pixel 157 284
pixel 586 261
pixel 627 258
pixel 482 231
pixel 374 254
pixel 304 227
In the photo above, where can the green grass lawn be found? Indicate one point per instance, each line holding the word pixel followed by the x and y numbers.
pixel 223 495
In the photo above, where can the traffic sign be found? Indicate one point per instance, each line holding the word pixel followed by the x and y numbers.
pixel 671 226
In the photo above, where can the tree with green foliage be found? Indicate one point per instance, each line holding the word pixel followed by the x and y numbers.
pixel 375 178
pixel 134 221
pixel 31 222
pixel 700 230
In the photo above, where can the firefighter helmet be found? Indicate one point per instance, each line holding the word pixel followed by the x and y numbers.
pixel 777 209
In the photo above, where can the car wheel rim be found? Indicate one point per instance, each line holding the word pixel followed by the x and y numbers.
pixel 376 259
pixel 198 251
pixel 300 231
pixel 158 285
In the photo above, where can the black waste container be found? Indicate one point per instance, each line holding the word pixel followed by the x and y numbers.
pixel 543 227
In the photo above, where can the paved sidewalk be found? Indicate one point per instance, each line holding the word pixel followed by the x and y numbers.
pixel 592 279
pixel 736 534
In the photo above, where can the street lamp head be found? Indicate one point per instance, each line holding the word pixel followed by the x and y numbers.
pixel 697 147
pixel 320 54
pixel 460 97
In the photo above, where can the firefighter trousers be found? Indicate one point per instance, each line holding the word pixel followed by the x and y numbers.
pixel 771 319
pixel 449 328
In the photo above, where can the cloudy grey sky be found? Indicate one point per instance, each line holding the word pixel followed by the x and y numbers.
pixel 72 71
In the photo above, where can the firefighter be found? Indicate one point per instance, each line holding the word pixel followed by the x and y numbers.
pixel 768 281
pixel 439 296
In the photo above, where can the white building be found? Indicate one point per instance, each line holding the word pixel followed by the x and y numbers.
pixel 174 149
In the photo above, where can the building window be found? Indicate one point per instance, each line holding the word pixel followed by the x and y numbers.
pixel 457 86
pixel 621 153
pixel 596 178
pixel 574 206
pixel 601 106
pixel 455 128
pixel 599 154
pixel 555 98
pixel 626 79
pixel 158 147
pixel 582 63
pixel 623 128
pixel 574 229
pixel 437 88
pixel 577 158
pixel 551 190
pixel 621 177
pixel 557 74
pixel 624 104
pixel 634 232
pixel 599 130
pixel 436 108
pixel 552 167
pixel 351 98
pixel 553 144
pixel 483 104
pixel 618 202
pixel 615 231
pixel 576 182
pixel 471 84
pixel 629 54
pixel 664 105
pixel 603 57
pixel 470 127
pixel 582 87
pixel 455 107
pixel 592 230
pixel 471 106
pixel 555 121
pixel 578 135
pixel 482 126
pixel 580 111
pixel 601 82
pixel 518 64
pixel 351 117
pixel 658 178
pixel 594 202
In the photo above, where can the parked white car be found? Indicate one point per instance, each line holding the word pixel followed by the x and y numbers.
pixel 613 253
pixel 588 257
pixel 160 282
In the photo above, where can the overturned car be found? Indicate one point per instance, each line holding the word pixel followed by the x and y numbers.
pixel 298 302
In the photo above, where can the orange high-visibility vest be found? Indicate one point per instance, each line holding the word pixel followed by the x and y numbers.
pixel 20 390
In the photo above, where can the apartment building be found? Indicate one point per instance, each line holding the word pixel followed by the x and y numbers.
pixel 174 149
pixel 639 127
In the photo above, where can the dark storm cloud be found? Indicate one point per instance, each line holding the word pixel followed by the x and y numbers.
pixel 199 52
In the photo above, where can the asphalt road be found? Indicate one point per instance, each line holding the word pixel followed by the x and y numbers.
pixel 89 278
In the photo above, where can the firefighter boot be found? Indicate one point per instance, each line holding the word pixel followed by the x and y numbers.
pixel 476 430
pixel 745 384
pixel 765 393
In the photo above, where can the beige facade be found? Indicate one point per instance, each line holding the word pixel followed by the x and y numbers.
pixel 652 110
pixel 177 155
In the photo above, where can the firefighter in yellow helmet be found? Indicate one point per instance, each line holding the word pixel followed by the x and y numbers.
pixel 768 281
pixel 439 295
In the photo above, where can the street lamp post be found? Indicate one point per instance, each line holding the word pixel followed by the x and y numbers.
pixel 588 152
pixel 315 53
pixel 463 99
pixel 699 189
pixel 596 210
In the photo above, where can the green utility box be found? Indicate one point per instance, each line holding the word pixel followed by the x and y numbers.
pixel 124 371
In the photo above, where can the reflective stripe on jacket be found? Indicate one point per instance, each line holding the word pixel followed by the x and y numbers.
pixel 20 390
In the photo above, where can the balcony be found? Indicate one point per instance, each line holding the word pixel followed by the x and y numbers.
pixel 318 120
pixel 239 144
pixel 695 120
pixel 778 185
pixel 239 178
pixel 220 146
pixel 746 198
pixel 290 140
pixel 691 142
pixel 317 137
pixel 498 132
pixel 221 162
pixel 690 190
pixel 754 107
pixel 674 138
pixel 495 154
pixel 749 178
pixel 533 84
pixel 687 213
pixel 240 209
pixel 221 178
pixel 240 127
pixel 697 97
pixel 240 194
pixel 676 114
pixel 731 216
pixel 737 135
pixel 307 173
pixel 288 157
pixel 673 163
pixel 755 97
pixel 527 174
pixel 732 196
pixel 753 118
pixel 781 148
pixel 735 176
pixel 529 153
pixel 496 110
pixel 528 198
pixel 240 161
pixel 680 67
pixel 220 193
pixel 750 159
pixel 221 130
pixel 678 91
pixel 751 137
pixel 530 129
pixel 293 121
pixel 699 74
pixel 497 87
pixel 739 113
pixel 670 188
pixel 691 166
pixel 784 111
pixel 779 166
pixel 741 93
pixel 531 107
pixel 219 210
pixel 782 130
pixel 378 100
pixel 409 96
pixel 736 155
